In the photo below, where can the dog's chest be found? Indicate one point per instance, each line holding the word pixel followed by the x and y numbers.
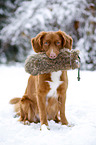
pixel 54 83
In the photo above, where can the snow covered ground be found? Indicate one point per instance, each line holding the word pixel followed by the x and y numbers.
pixel 80 111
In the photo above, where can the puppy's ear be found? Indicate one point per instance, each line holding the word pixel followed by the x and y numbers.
pixel 67 40
pixel 37 42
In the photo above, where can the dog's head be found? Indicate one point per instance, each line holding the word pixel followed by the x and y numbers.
pixel 51 43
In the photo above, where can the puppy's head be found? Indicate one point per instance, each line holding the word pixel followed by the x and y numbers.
pixel 51 43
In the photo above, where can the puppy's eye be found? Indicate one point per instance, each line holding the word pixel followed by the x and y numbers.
pixel 58 43
pixel 46 43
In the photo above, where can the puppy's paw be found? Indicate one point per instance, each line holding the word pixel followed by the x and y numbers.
pixel 44 127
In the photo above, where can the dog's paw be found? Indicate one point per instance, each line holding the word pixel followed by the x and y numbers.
pixel 44 127
pixel 71 125
pixel 26 122
pixel 16 115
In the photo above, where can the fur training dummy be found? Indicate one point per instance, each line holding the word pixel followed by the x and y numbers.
pixel 37 64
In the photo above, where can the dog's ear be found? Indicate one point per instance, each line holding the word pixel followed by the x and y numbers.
pixel 37 42
pixel 67 40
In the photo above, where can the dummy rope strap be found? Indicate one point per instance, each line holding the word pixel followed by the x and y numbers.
pixel 79 70
pixel 78 67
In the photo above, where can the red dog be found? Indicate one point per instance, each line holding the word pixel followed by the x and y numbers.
pixel 52 86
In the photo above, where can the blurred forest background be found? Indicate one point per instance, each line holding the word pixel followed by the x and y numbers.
pixel 21 20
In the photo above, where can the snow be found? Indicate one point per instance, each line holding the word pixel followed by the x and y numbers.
pixel 80 111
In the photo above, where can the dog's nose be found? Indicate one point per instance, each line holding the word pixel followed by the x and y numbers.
pixel 52 55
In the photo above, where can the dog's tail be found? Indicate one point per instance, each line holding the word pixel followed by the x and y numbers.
pixel 14 100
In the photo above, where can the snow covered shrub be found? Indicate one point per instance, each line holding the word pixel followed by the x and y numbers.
pixel 87 31
pixel 31 17
pixel 7 50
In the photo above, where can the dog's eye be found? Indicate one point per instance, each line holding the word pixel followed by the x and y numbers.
pixel 58 43
pixel 46 43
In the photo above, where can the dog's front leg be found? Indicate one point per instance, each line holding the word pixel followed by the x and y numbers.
pixel 42 108
pixel 42 88
pixel 62 99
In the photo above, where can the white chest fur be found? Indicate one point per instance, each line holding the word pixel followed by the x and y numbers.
pixel 54 84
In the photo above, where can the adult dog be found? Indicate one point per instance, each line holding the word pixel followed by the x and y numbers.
pixel 50 87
